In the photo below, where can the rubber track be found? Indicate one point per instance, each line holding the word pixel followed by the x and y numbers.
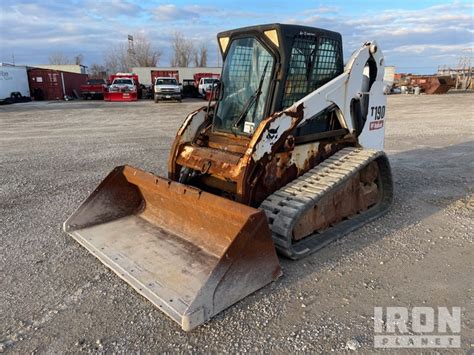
pixel 285 206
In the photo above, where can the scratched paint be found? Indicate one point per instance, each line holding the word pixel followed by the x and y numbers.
pixel 273 134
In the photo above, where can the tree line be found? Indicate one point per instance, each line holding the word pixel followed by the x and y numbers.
pixel 121 58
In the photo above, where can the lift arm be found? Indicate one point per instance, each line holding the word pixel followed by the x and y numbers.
pixel 363 75
pixel 348 86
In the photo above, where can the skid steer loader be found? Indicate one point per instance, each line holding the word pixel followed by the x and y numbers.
pixel 287 159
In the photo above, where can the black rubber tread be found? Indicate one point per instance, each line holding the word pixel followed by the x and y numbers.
pixel 285 206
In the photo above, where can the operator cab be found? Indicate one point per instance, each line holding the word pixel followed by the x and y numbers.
pixel 270 67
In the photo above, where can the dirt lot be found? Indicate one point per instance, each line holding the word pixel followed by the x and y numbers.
pixel 56 297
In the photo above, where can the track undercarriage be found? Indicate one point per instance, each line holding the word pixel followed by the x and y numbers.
pixel 337 196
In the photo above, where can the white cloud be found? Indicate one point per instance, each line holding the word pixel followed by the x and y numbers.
pixel 170 12
pixel 322 10
pixel 432 48
pixel 408 37
pixel 109 8
pixel 423 37
pixel 207 14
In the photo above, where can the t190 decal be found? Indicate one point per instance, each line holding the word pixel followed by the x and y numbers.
pixel 378 113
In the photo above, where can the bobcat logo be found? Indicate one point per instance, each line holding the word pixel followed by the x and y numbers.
pixel 272 133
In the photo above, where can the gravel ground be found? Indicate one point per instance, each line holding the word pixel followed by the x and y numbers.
pixel 56 297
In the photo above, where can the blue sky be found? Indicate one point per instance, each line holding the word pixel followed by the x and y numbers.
pixel 416 36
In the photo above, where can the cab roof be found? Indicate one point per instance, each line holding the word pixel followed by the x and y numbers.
pixel 284 30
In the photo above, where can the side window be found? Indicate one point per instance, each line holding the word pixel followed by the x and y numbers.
pixel 297 81
pixel 327 62
pixel 314 61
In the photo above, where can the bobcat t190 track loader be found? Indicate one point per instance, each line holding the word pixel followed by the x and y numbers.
pixel 287 159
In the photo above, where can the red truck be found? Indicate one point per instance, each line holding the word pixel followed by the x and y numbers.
pixel 94 89
pixel 205 81
pixel 123 87
pixel 164 73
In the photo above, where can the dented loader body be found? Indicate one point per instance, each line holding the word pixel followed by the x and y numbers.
pixel 289 156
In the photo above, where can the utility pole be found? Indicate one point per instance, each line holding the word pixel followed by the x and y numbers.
pixel 131 53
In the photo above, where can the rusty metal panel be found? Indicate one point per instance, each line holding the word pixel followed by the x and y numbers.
pixel 244 164
pixel 45 84
pixel 433 84
pixel 356 195
pixel 48 84
pixel 72 82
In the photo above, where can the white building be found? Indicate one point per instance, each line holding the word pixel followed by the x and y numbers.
pixel 144 73
pixel 71 68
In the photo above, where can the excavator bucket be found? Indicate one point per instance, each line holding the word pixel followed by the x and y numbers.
pixel 191 253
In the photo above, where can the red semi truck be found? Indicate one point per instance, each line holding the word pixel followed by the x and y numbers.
pixel 123 87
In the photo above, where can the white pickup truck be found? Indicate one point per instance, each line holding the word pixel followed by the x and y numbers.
pixel 167 88
pixel 206 84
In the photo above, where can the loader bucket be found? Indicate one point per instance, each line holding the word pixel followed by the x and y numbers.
pixel 191 253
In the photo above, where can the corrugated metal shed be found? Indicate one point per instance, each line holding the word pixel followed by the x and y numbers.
pixel 144 73
pixel 47 84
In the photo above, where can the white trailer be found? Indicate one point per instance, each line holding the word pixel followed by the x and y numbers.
pixel 13 80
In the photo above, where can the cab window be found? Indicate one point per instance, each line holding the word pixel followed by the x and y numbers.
pixel 314 62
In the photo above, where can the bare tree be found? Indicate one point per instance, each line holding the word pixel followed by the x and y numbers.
pixel 59 58
pixel 120 59
pixel 116 59
pixel 183 51
pixel 78 59
pixel 97 71
pixel 145 54
pixel 200 56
